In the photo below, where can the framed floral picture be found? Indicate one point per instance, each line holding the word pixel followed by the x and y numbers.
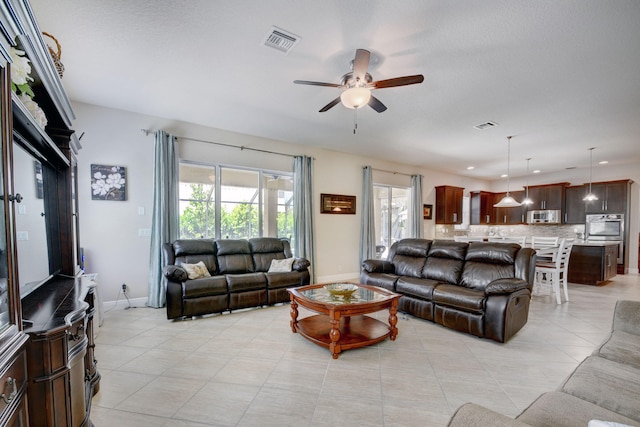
pixel 108 183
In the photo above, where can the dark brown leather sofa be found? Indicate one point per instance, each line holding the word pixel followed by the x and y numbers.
pixel 480 288
pixel 240 276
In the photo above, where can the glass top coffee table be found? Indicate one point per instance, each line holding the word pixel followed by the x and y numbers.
pixel 341 322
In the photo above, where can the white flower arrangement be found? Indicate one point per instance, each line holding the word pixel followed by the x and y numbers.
pixel 20 78
pixel 110 186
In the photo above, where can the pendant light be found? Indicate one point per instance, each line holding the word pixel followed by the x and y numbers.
pixel 590 197
pixel 527 200
pixel 508 201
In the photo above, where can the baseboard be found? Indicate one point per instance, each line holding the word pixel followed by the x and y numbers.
pixel 632 271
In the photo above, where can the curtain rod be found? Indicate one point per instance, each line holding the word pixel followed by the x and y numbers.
pixel 393 172
pixel 222 144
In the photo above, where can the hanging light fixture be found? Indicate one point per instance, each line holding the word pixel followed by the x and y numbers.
pixel 527 200
pixel 590 197
pixel 508 201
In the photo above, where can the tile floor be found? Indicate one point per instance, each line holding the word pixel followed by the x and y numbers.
pixel 248 369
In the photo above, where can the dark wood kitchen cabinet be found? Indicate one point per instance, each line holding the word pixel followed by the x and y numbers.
pixel 592 264
pixel 547 196
pixel 481 207
pixel 510 216
pixel 575 211
pixel 612 197
pixel 449 204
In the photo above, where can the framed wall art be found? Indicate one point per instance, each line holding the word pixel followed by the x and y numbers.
pixel 337 204
pixel 108 183
pixel 427 211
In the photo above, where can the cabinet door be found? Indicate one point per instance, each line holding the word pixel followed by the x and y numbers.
pixel 482 210
pixel 574 205
pixel 547 197
pixel 596 206
pixel 449 205
pixel 616 197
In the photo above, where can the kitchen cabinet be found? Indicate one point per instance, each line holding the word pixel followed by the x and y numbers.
pixel 481 207
pixel 449 204
pixel 509 216
pixel 612 197
pixel 574 205
pixel 547 196
pixel 592 264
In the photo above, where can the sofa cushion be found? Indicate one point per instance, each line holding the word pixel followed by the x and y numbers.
pixel 408 265
pixel 413 247
pixel 611 385
pixel 444 270
pixel 491 252
pixel 477 275
pixel 264 250
pixel 283 280
pixel 445 262
pixel 464 299
pixel 234 256
pixel 621 347
pixel 216 285
pixel 194 247
pixel 557 409
pixel 246 282
pixel 419 288
pixel 381 280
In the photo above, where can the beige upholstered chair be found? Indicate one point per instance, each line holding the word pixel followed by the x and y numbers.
pixel 553 273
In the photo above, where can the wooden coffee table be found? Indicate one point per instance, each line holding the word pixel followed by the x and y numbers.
pixel 341 323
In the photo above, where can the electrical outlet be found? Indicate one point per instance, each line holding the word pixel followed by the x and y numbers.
pixel 124 288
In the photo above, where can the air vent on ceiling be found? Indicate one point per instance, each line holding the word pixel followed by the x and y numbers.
pixel 281 40
pixel 487 125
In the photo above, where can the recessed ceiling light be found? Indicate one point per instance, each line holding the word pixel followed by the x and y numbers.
pixel 504 175
pixel 603 162
pixel 536 171
pixel 470 168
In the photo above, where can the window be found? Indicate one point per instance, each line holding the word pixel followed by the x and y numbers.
pixel 391 209
pixel 234 203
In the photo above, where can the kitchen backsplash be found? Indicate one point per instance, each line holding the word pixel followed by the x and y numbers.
pixel 447 231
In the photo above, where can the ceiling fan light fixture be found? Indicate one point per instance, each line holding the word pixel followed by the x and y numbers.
pixel 355 97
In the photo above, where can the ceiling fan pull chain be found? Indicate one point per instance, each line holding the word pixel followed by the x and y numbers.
pixel 355 120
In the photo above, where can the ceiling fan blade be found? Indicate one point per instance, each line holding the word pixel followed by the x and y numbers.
pixel 361 63
pixel 398 81
pixel 306 82
pixel 330 105
pixel 376 104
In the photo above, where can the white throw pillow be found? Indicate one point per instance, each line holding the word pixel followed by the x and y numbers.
pixel 281 265
pixel 196 271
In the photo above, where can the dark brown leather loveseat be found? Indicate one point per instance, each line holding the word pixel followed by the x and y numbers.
pixel 239 275
pixel 480 288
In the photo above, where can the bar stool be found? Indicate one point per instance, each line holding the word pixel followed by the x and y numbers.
pixel 554 273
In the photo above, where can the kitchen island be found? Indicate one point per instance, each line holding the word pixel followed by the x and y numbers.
pixel 593 263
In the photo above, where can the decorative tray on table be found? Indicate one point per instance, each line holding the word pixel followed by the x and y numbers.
pixel 341 289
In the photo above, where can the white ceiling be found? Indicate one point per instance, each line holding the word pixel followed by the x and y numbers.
pixel 560 76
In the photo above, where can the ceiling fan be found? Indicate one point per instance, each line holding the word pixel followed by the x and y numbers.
pixel 358 84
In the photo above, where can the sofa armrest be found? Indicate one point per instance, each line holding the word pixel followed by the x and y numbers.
pixel 300 264
pixel 505 286
pixel 174 273
pixel 626 317
pixel 378 266
pixel 472 415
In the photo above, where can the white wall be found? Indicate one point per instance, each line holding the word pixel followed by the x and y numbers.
pixel 109 230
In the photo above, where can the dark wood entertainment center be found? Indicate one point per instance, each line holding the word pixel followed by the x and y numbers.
pixel 48 372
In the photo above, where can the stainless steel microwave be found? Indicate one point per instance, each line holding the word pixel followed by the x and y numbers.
pixel 547 216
